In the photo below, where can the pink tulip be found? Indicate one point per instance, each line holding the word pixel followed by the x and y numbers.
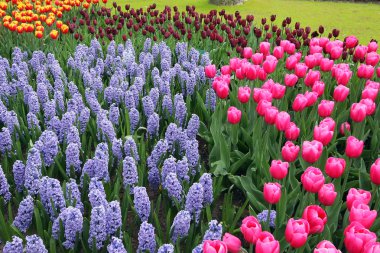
pixel 336 52
pixel 290 151
pixel 370 106
pixel 311 98
pixel 375 172
pixel 370 93
pixel 244 94
pixel 225 70
pixel 233 115
pixel 372 46
pixel 365 71
pixel 251 72
pixel 261 94
pixel 278 91
pixel 340 93
pixel 292 132
pixel 363 214
pixel 296 232
pixel 278 52
pixel 235 63
pixel 312 77
pixel 251 229
pixel 270 115
pixel 323 134
pixel 266 243
pixel 247 53
pixel 215 246
pixel 233 243
pixel 262 107
pixel 354 147
pixel 335 167
pixel 210 71
pixel 272 192
pixel 345 126
pixel 278 169
pixel 300 70
pixel 358 112
pixel 326 247
pixel 269 65
pixel 325 108
pixel 310 60
pixel 290 80
pixel 360 195
pixel 372 247
pixel 312 179
pixel 326 64
pixel 240 74
pixel 222 90
pixel 291 62
pixel 264 48
pixel 372 59
pixel 282 121
pixel 257 58
pixel 311 150
pixel 329 122
pixel 351 41
pixel 327 194
pixel 261 74
pixel 356 236
pixel 319 87
pixel 360 52
pixel 316 217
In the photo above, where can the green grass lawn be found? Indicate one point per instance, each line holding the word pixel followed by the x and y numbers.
pixel 361 20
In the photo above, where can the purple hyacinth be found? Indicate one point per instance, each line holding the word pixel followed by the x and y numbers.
pixel 19 174
pixel 97 197
pixel 158 151
pixel 58 97
pixel 173 186
pixel 98 224
pixel 51 192
pixel 92 101
pixel 193 127
pixel 146 237
pixel 194 200
pixel 114 114
pixel 24 214
pixel 73 195
pixel 129 100
pixel 214 231
pixel 117 149
pixel 101 160
pixel 73 136
pixel 192 152
pixel 130 148
pixel 54 125
pixel 48 146
pixel 34 244
pixel 107 130
pixel 181 225
pixel 84 117
pixel 153 124
pixel 4 186
pixel 198 249
pixel 67 121
pixel 134 118
pixel 182 169
pixel 116 246
pixel 206 182
pixel 141 202
pixel 190 84
pixel 180 109
pixel 5 140
pixel 130 175
pixel 32 121
pixel 33 171
pixel 210 99
pixel 169 166
pixel 148 106
pixel 167 104
pixel 166 248
pixel 154 177
pixel 33 104
pixel 113 218
pixel 263 217
pixel 72 221
pixel 154 94
pixel 11 121
pixel 171 134
pixel 72 158
pixel 14 246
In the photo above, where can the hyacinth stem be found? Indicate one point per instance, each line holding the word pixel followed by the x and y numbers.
pixel 347 172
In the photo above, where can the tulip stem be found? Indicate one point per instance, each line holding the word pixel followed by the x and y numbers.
pixel 377 202
pixel 250 248
pixel 346 176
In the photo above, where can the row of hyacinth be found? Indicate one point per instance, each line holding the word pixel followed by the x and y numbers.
pixel 82 126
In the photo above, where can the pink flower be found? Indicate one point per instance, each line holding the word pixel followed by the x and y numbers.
pixel 325 108
pixel 327 194
pixel 233 243
pixel 360 195
pixel 290 80
pixel 345 126
pixel 257 58
pixel 375 172
pixel 290 151
pixel 323 134
pixel 270 115
pixel 300 70
pixel 312 179
pixel 311 151
pixel 319 87
pixel 278 169
pixel 282 121
pixel 266 243
pixel 215 246
pixel 292 132
pixel 351 41
pixel 354 147
pixel 251 229
pixel 335 167
pixel 247 53
pixel 356 236
pixel 316 217
pixel 264 48
pixel 326 247
pixel 340 93
pixel 210 71
pixel 244 94
pixel 296 232
pixel 363 214
pixel 272 192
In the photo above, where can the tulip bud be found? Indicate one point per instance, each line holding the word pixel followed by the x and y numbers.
pixel 299 103
pixel 272 192
pixel 326 247
pixel 335 167
pixel 312 179
pixel 375 172
pixel 300 70
pixel 270 115
pixel 282 121
pixel 360 195
pixel 214 246
pixel 325 108
pixel 296 232
pixel 278 169
pixel 210 71
pixel 292 132
pixel 372 247
pixel 319 87
pixel 266 243
pixel 247 53
pixel 251 229
pixel 370 106
pixel 233 115
pixel 345 126
pixel 340 93
pixel 361 213
pixel 323 134
pixel 290 80
pixel 311 151
pixel 233 243
pixel 316 217
pixel 356 237
pixel 354 147
pixel 290 151
pixel 327 194
pixel 244 94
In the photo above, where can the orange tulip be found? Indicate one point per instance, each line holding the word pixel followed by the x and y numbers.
pixel 58 24
pixel 54 34
pixel 64 29
pixel 40 28
pixel 49 21
pixel 59 14
pixel 86 5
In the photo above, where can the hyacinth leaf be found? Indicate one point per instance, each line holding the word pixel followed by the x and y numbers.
pixel 37 218
pixel 52 246
pixel 225 151
pixel 5 231
pixel 157 225
pixel 238 215
pixel 168 223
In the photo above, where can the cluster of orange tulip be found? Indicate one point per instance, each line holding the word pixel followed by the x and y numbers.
pixel 28 16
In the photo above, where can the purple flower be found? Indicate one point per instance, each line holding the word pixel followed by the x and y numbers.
pixel 33 171
pixel 107 130
pixel 153 124
pixel 154 94
pixel 180 109
pixel 130 148
pixel 19 174
pixel 169 166
pixel 129 100
pixel 51 192
pixel 134 117
pixel 4 186
pixel 116 246
pixel 117 149
pixel 54 125
pixel 210 99
pixel 33 121
pixel 72 195
pixel 98 224
pixel 148 106
pixel 15 246
pixel 11 121
pixel 5 140
pixel 158 151
pixel 67 121
pixel 58 97
pixel 113 218
pixel 147 45
pixel 198 249
pixel 24 214
pixel 181 225
pixel 147 240
pixel 182 169
pixel 33 104
pixel 167 104
pixel 171 134
pixel 130 175
pixel 214 231
pixel 34 244
pixel 154 177
pixel 48 146
pixel 73 136
pixel 192 152
pixel 114 114
pixel 97 195
pixel 141 202
pixel 173 186
pixel 72 221
pixel 101 160
pixel 166 248
pixel 206 182
pixel 193 127
pixel 92 100
pixel 84 117
pixel 72 158
pixel 194 200
pixel 263 217
pixel 190 84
